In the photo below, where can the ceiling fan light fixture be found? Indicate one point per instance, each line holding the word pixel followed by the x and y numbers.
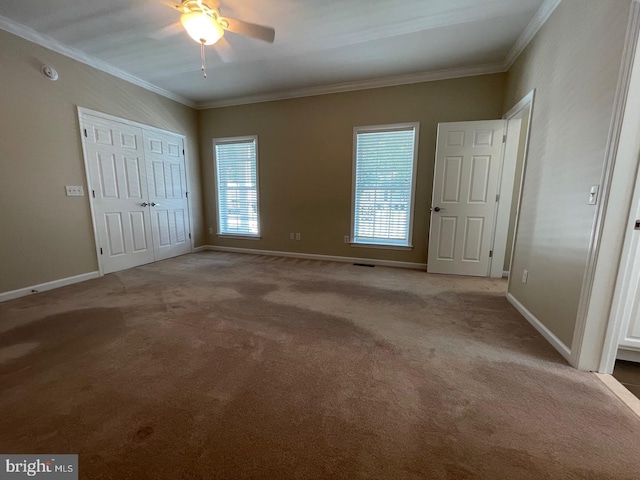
pixel 201 27
pixel 206 26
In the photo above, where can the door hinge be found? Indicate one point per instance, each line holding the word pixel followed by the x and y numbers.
pixel 93 193
pixel 187 194
pixel 85 133
pixel 100 250
pixel 504 139
pixel 497 198
pixel 183 152
pixel 490 253
pixel 189 235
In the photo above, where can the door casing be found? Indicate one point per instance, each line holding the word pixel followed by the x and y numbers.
pixel 105 116
pixel 507 184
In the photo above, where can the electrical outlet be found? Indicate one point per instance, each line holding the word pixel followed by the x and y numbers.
pixel 292 236
pixel 297 236
pixel 210 231
pixel 74 190
pixel 346 239
pixel 525 275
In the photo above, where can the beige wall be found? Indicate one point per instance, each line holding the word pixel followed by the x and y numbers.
pixel 573 63
pixel 45 235
pixel 305 158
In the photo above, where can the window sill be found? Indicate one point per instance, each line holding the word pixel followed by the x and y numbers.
pixel 239 237
pixel 384 247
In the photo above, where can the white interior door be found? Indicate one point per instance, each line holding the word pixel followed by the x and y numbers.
pixel 167 194
pixel 118 179
pixel 467 171
pixel 627 306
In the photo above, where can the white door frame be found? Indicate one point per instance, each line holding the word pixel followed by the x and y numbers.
pixel 626 288
pixel 506 183
pixel 86 111
pixel 626 160
pixel 505 190
pixel 598 323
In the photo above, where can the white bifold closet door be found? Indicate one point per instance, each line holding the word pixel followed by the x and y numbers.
pixel 166 182
pixel 137 179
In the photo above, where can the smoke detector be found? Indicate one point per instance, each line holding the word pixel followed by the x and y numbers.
pixel 49 72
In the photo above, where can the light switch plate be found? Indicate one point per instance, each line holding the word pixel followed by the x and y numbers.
pixel 74 190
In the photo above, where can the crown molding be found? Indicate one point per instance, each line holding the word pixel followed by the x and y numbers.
pixel 541 16
pixel 391 81
pixel 78 55
pixel 538 20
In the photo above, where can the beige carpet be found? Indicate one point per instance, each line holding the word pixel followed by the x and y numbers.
pixel 225 366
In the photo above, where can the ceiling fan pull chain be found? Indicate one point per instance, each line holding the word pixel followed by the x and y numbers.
pixel 202 57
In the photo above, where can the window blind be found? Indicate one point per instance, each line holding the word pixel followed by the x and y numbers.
pixel 237 188
pixel 383 186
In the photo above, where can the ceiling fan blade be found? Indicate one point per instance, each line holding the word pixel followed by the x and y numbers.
pixel 259 32
pixel 168 31
pixel 224 51
pixel 173 4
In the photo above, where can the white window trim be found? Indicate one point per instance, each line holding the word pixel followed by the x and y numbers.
pixel 381 246
pixel 237 236
pixel 385 128
pixel 226 140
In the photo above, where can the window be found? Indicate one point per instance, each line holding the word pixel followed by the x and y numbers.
pixel 384 184
pixel 236 167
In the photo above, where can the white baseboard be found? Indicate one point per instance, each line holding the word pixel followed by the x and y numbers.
pixel 200 249
pixel 43 287
pixel 505 274
pixel 542 329
pixel 314 256
pixel 628 355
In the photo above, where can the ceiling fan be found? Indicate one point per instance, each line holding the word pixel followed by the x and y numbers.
pixel 206 26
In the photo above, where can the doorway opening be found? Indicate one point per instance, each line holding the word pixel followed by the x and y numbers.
pixel 513 168
pixel 479 171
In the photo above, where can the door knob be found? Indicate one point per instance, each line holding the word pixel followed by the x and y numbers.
pixel 144 204
pixel 154 204
pixel 437 209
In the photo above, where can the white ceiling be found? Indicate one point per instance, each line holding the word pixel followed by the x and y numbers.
pixel 319 44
